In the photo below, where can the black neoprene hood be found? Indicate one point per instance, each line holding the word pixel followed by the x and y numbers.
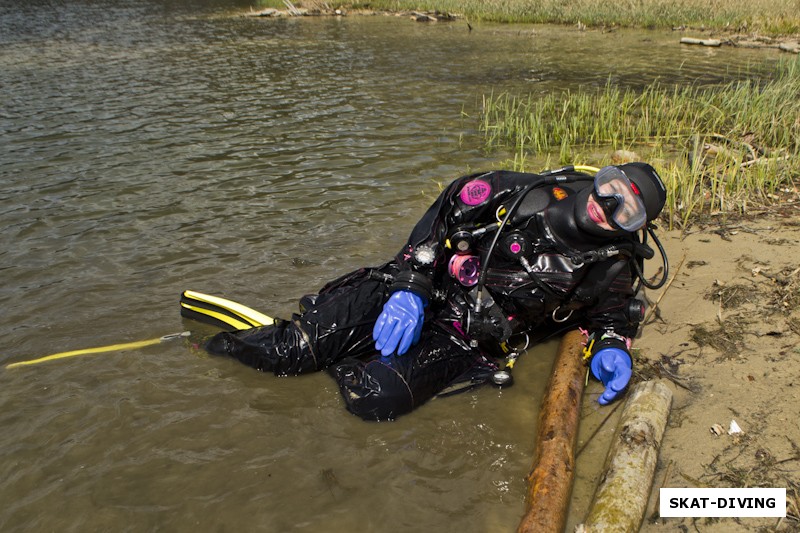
pixel 654 194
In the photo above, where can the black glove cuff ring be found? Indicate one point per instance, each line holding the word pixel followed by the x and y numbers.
pixel 409 280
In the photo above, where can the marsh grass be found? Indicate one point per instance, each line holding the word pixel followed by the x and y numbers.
pixel 721 150
pixel 770 17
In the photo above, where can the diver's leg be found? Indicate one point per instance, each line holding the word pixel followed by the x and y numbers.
pixel 278 348
pixel 336 325
pixel 384 388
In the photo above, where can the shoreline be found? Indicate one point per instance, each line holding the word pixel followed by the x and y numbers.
pixel 713 37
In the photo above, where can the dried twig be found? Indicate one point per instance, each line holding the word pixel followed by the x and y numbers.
pixel 674 378
pixel 762 160
pixel 669 284
pixel 589 439
pixel 290 6
pixel 663 484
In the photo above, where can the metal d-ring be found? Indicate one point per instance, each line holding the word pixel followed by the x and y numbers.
pixel 556 319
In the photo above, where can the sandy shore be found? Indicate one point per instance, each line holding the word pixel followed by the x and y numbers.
pixel 726 335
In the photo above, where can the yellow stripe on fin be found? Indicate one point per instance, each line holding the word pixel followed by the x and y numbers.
pixel 238 324
pixel 250 315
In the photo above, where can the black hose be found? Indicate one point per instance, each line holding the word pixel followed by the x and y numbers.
pixel 665 262
pixel 549 178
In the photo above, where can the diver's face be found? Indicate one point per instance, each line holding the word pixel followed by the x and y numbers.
pixel 596 213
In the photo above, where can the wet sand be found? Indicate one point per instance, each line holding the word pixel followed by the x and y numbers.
pixel 726 335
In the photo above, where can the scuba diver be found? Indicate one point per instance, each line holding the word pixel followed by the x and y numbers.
pixel 500 259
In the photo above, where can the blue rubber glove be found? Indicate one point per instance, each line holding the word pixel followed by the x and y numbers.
pixel 612 366
pixel 400 323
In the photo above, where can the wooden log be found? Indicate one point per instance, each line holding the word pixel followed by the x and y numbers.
pixel 620 501
pixel 550 480
pixel 704 42
pixel 791 46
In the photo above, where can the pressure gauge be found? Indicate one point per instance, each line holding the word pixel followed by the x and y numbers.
pixel 424 255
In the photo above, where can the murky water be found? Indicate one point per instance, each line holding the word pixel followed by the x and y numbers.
pixel 148 147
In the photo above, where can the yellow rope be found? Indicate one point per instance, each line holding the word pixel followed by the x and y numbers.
pixel 100 349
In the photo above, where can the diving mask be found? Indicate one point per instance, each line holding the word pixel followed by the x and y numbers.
pixel 620 198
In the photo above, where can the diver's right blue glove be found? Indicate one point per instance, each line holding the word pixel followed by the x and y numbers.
pixel 400 323
pixel 612 366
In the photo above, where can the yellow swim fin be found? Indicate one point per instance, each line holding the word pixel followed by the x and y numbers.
pixel 220 312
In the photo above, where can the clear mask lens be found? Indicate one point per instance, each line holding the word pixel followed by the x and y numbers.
pixel 630 213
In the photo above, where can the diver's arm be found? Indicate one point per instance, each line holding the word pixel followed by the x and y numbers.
pixel 611 362
pixel 612 325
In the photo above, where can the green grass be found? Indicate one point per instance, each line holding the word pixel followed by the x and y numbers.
pixel 769 17
pixel 722 150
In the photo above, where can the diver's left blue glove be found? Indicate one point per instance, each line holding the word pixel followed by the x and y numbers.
pixel 612 366
pixel 400 323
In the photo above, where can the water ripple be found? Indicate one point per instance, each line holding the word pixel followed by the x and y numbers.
pixel 150 147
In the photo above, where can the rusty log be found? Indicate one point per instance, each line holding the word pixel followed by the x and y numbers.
pixel 550 479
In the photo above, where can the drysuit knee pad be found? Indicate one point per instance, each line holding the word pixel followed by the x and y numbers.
pixel 372 390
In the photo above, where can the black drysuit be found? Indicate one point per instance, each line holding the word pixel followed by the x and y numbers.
pixel 562 285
